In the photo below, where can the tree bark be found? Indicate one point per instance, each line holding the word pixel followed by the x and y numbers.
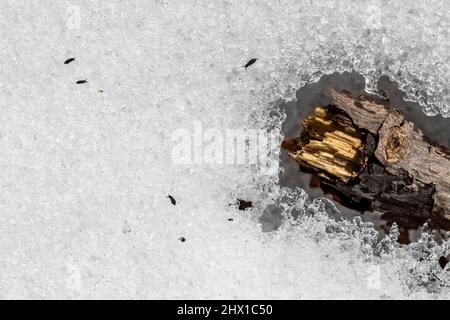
pixel 372 158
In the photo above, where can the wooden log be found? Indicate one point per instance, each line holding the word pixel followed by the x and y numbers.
pixel 374 159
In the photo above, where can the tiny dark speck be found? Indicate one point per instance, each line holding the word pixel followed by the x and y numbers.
pixel 69 60
pixel 249 63
pixel 81 81
pixel 443 262
pixel 182 239
pixel 230 219
pixel 172 199
pixel 244 204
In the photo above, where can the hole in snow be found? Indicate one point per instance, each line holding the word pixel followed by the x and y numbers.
pixel 315 94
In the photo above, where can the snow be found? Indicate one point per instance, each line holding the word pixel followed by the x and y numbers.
pixel 81 163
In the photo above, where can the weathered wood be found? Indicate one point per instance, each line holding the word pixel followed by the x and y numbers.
pixel 365 113
pixel 375 160
pixel 400 148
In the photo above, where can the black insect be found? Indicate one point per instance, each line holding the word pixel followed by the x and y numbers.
pixel 182 239
pixel 172 199
pixel 230 219
pixel 69 60
pixel 250 62
pixel 242 204
pixel 443 261
pixel 81 81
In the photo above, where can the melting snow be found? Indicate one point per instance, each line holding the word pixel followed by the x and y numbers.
pixel 79 160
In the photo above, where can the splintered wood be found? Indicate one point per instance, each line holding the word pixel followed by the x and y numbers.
pixel 331 144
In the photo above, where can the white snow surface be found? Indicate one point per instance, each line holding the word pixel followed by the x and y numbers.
pixel 85 174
